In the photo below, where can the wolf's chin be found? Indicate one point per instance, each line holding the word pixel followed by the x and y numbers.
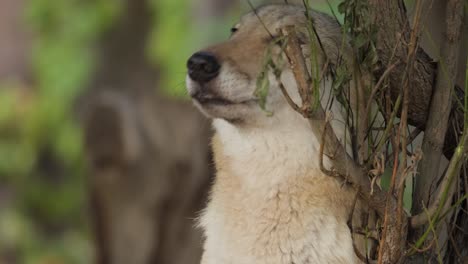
pixel 232 112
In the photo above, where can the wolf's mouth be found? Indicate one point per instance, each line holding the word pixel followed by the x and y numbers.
pixel 213 100
pixel 209 99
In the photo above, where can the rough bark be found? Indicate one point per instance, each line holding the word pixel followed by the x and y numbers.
pixel 392 38
pixel 439 113
pixel 393 33
pixel 148 155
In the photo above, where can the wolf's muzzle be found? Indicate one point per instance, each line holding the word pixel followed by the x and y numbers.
pixel 203 67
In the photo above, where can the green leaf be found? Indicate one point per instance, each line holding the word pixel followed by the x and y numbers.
pixel 262 89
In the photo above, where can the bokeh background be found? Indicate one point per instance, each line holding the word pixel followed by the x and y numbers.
pixel 103 159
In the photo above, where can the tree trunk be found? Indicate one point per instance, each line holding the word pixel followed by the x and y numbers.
pixel 14 42
pixel 147 154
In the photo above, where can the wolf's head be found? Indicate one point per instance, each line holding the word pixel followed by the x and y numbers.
pixel 222 78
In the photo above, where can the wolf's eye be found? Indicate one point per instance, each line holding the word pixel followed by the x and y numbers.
pixel 234 29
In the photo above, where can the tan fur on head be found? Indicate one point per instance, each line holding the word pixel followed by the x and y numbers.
pixel 270 203
pixel 241 58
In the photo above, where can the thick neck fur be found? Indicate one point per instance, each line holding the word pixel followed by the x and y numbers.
pixel 262 156
pixel 270 202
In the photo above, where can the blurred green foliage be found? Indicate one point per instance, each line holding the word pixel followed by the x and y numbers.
pixel 177 34
pixel 171 33
pixel 41 160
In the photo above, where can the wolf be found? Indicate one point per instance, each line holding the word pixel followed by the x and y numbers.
pixel 270 202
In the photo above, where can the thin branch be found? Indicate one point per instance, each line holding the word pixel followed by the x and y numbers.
pixel 322 150
pixel 454 168
pixel 436 239
pixel 393 241
pixel 362 117
pixel 343 164
pixel 371 234
pixel 286 95
pixel 422 250
pixel 298 67
pixel 377 86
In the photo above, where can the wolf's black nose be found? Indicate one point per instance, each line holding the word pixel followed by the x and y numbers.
pixel 203 67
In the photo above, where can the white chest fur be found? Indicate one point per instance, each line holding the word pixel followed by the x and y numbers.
pixel 271 203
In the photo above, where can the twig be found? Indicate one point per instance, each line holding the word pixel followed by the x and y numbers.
pixel 298 66
pixel 368 234
pixel 322 150
pixel 422 250
pixel 362 117
pixel 435 209
pixel 350 225
pixel 377 86
pixel 343 164
pixel 286 95
pixel 392 241
pixel 431 227
pixel 455 247
pixel 389 127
